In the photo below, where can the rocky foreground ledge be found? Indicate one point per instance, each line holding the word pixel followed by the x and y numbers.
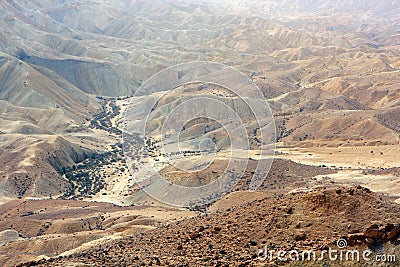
pixel 313 219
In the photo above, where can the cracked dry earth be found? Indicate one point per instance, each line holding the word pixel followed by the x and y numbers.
pixel 231 236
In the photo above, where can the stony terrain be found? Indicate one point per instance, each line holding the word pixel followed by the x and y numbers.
pixel 31 229
pixel 81 225
pixel 330 71
pixel 232 236
pixel 321 65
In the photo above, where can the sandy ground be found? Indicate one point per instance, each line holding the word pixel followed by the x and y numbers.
pixel 4 199
pixel 355 157
pixel 351 161
pixel 388 184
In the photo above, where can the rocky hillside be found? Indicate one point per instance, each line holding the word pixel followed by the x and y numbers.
pixel 232 236
pixel 326 65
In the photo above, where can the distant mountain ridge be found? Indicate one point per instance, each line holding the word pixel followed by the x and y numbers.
pixel 319 63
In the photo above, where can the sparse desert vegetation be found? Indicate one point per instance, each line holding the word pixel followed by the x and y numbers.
pixel 73 157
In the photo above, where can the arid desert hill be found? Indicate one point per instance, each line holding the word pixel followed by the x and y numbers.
pixel 233 235
pixel 309 58
pixel 69 70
